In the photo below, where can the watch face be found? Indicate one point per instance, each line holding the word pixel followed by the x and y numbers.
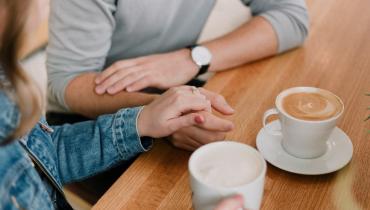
pixel 201 56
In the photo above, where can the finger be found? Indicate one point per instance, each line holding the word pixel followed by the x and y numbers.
pixel 115 67
pixel 186 147
pixel 125 81
pixel 182 88
pixel 218 102
pixel 191 103
pixel 204 136
pixel 214 123
pixel 140 84
pixel 183 141
pixel 182 122
pixel 112 79
pixel 232 203
pixel 182 91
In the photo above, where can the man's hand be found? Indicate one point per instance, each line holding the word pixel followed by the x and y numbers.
pixel 160 71
pixel 212 129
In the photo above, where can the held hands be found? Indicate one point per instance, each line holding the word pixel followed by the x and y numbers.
pixel 160 71
pixel 181 107
pixel 212 129
pixel 171 111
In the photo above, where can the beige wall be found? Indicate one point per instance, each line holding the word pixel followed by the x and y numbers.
pixel 36 32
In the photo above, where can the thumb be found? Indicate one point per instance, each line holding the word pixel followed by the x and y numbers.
pixel 185 121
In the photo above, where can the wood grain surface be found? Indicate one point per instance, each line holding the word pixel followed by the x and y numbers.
pixel 336 56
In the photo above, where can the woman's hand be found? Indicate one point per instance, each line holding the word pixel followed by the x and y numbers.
pixel 175 109
pixel 160 71
pixel 213 128
pixel 233 203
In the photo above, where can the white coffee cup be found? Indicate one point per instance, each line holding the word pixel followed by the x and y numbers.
pixel 302 138
pixel 206 195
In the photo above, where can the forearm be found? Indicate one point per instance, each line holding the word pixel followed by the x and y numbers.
pixel 81 98
pixel 90 147
pixel 253 40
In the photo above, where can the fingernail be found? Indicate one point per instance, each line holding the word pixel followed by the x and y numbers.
pixel 230 127
pixel 129 89
pixel 97 81
pixel 110 90
pixel 99 90
pixel 209 103
pixel 240 198
pixel 231 109
pixel 199 119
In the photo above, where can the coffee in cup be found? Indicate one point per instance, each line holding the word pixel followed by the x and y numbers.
pixel 307 115
pixel 222 169
pixel 319 105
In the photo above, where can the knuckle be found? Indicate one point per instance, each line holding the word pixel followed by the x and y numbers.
pixel 178 98
pixel 149 78
pixel 171 128
pixel 175 89
pixel 171 90
pixel 133 75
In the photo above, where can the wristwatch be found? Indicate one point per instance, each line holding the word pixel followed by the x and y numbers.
pixel 201 57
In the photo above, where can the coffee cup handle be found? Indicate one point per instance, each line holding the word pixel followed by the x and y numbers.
pixel 267 114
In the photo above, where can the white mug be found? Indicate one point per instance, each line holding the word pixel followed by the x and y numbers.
pixel 207 197
pixel 301 138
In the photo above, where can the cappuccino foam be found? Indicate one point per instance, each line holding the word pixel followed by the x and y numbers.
pixel 228 167
pixel 312 105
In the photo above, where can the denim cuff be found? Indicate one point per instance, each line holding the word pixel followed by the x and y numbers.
pixel 126 134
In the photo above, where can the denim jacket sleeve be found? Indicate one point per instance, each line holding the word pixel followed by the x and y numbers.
pixel 9 116
pixel 90 147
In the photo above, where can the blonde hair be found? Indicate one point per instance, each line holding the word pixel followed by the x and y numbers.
pixel 26 92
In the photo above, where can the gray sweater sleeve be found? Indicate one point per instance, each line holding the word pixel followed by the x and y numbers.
pixel 80 34
pixel 289 18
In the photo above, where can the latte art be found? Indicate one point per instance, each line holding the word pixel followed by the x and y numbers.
pixel 311 105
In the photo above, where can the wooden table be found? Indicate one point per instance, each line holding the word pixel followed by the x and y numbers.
pixel 336 57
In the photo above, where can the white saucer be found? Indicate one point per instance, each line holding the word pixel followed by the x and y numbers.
pixel 338 154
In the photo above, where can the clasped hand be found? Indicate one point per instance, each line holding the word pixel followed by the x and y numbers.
pixel 181 111
pixel 165 71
